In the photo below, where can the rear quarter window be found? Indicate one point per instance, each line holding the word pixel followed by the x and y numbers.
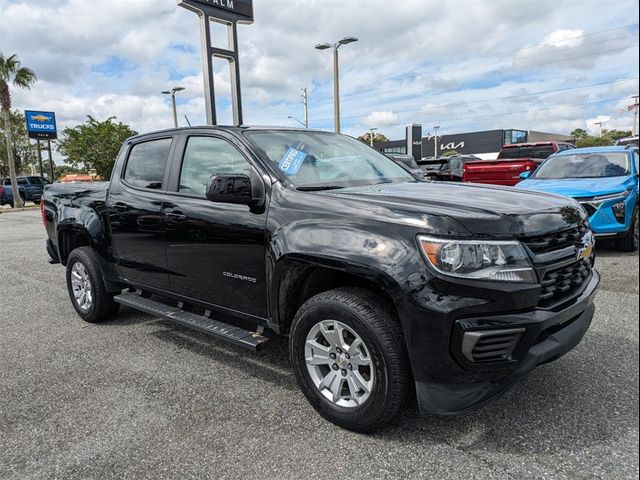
pixel 146 164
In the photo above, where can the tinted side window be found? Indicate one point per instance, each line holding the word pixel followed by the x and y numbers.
pixel 147 161
pixel 207 156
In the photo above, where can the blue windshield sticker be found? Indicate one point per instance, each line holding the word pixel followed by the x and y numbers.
pixel 293 159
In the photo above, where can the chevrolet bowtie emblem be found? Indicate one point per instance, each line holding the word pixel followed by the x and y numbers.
pixel 585 250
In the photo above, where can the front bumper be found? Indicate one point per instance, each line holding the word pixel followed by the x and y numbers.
pixel 447 381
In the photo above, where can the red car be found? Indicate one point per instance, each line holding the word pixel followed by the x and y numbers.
pixel 511 162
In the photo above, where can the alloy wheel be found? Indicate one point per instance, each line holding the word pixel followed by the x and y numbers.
pixel 81 284
pixel 339 363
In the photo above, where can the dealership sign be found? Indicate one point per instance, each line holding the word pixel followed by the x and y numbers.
pixel 241 10
pixel 227 13
pixel 41 125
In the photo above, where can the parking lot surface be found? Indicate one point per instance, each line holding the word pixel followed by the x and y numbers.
pixel 141 398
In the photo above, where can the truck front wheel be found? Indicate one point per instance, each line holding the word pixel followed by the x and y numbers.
pixel 350 359
pixel 86 289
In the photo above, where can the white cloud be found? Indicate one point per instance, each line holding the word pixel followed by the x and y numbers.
pixel 452 63
pixel 380 119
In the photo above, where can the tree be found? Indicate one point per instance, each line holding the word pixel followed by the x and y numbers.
pixel 450 153
pixel 23 153
pixel 377 137
pixel 608 137
pixel 579 133
pixel 12 72
pixel 94 144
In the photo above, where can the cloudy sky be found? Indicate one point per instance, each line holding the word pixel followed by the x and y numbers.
pixel 550 65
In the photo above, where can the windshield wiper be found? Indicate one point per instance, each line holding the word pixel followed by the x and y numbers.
pixel 318 188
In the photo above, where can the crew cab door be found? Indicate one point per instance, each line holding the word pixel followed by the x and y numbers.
pixel 215 251
pixel 134 207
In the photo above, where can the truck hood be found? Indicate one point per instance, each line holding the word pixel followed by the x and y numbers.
pixel 484 210
pixel 577 187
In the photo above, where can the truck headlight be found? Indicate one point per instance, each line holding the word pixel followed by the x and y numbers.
pixel 503 261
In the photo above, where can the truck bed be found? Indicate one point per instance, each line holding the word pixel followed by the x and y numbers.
pixel 498 172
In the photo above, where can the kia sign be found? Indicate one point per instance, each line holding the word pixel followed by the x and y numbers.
pixel 239 10
pixel 414 140
pixel 41 125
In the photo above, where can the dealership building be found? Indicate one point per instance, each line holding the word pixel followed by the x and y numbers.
pixel 485 144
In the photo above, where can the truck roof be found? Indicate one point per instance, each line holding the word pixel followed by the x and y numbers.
pixel 228 128
pixel 532 144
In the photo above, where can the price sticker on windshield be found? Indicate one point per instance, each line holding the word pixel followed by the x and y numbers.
pixel 294 158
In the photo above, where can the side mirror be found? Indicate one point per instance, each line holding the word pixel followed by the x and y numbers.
pixel 235 188
pixel 525 175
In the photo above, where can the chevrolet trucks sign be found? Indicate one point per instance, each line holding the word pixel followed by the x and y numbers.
pixel 240 10
pixel 41 125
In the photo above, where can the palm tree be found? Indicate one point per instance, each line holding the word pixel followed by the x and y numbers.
pixel 11 72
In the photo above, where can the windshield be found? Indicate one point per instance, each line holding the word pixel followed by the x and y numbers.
pixel 38 181
pixel 527 151
pixel 318 160
pixel 584 165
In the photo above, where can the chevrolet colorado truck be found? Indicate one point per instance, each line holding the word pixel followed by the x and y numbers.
pixel 511 162
pixel 386 286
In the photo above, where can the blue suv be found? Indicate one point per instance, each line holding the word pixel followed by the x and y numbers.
pixel 605 182
pixel 29 187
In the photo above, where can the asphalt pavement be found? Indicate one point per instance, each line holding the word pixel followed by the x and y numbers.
pixel 141 398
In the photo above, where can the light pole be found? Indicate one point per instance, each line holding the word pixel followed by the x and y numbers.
pixel 336 75
pixel 299 121
pixel 173 92
pixel 371 130
pixel 435 140
pixel 635 113
pixel 599 123
pixel 305 102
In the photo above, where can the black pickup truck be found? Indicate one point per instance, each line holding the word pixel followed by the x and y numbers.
pixel 382 282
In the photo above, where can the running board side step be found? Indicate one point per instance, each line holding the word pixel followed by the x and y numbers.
pixel 230 333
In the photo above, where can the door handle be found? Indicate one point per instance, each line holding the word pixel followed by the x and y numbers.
pixel 120 207
pixel 176 216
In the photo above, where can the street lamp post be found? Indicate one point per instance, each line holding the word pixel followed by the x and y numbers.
pixel 173 92
pixel 435 140
pixel 299 121
pixel 600 124
pixel 336 75
pixel 371 130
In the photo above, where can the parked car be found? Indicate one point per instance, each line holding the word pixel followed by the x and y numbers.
pixel 381 281
pixel 628 141
pixel 511 162
pixel 605 182
pixel 432 165
pixel 30 188
pixel 451 169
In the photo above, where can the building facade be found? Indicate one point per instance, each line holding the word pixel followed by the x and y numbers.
pixel 485 144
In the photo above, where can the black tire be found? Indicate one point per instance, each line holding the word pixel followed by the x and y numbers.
pixel 629 243
pixel 376 323
pixel 102 306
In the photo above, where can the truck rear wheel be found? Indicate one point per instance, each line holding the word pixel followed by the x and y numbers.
pixel 350 359
pixel 629 243
pixel 86 288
